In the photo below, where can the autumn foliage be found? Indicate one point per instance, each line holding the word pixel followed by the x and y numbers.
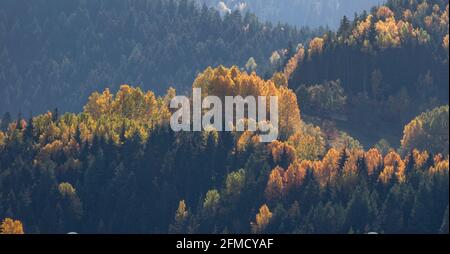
pixel 10 226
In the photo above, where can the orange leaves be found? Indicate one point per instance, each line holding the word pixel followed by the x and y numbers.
pixel 445 42
pixel 279 79
pixel 374 160
pixel 282 181
pixel 309 142
pixel 295 174
pixel 363 27
pixel 289 113
pixel 275 185
pixel 420 158
pixel 262 219
pixel 294 61
pixel 99 104
pixel 394 166
pixel 223 82
pixel 132 103
pixel 330 165
pixel 2 140
pixel 388 35
pixel 129 102
pixel 428 131
pixel 130 110
pixel 282 153
pixel 440 166
pixel 10 226
pixel 246 140
pixel 384 12
pixel 316 46
pixel 182 212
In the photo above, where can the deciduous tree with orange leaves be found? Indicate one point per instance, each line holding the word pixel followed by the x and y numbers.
pixel 262 219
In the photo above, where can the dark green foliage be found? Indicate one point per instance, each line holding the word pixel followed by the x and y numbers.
pixel 56 53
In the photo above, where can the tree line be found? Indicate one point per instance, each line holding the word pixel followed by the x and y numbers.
pixel 118 167
pixel 65 50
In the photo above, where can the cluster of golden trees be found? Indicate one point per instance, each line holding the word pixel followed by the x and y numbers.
pixel 385 169
pixel 428 131
pixel 391 31
pixel 10 226
pixel 224 81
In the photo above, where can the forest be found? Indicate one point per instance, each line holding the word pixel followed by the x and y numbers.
pixel 117 166
pixel 64 50
pixel 378 70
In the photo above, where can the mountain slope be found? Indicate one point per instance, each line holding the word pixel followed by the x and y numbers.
pixel 387 66
pixel 67 49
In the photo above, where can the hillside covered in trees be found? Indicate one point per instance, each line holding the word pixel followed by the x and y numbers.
pixel 118 167
pixel 379 70
pixel 56 53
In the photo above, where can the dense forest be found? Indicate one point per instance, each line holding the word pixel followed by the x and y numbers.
pixel 56 53
pixel 378 70
pixel 296 12
pixel 118 167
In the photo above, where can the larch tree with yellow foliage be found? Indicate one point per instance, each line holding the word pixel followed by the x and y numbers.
pixel 10 226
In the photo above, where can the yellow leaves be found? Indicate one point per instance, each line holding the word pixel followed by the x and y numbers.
pixel 428 131
pixel 223 82
pixel 295 174
pixel 445 43
pixel 132 103
pixel 212 200
pixel 393 166
pixel 351 166
pixel 387 174
pixel 384 12
pixel 99 104
pixel 275 59
pixel 407 15
pixel 275 185
pixel 279 79
pixel 440 166
pixel 388 35
pixel 262 219
pixel 363 27
pixel 289 113
pixel 2 140
pixel 411 132
pixel 282 181
pixel 10 226
pixel 420 158
pixel 282 153
pixel 47 153
pixel 331 163
pixel 315 46
pixel 246 140
pixel 443 20
pixel 66 189
pixel 292 64
pixel 235 183
pixel 309 143
pixel 428 20
pixel 251 65
pixel 182 212
pixel 129 102
pixel 374 160
pixel 129 110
